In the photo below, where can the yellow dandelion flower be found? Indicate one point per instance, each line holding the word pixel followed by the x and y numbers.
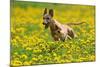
pixel 17 37
pixel 69 51
pixel 26 63
pixel 28 48
pixel 40 56
pixel 62 61
pixel 14 42
pixel 24 56
pixel 82 58
pixel 24 45
pixel 12 30
pixel 92 57
pixel 37 50
pixel 16 63
pixel 54 54
pixel 84 31
pixel 68 61
pixel 16 53
pixel 34 59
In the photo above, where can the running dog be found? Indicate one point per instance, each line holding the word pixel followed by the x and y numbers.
pixel 59 32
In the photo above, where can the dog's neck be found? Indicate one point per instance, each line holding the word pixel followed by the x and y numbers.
pixel 53 25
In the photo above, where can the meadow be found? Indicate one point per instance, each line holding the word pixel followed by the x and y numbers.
pixel 31 44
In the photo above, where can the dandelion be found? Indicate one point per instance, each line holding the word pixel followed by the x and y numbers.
pixel 12 30
pixel 84 31
pixel 16 53
pixel 26 63
pixel 92 57
pixel 68 51
pixel 24 56
pixel 57 59
pixel 68 61
pixel 16 63
pixel 24 45
pixel 34 59
pixel 54 54
pixel 28 48
pixel 40 56
pixel 14 42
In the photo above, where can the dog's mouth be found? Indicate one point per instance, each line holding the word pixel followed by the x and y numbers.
pixel 46 25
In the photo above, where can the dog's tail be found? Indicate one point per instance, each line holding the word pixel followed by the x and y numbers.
pixel 78 23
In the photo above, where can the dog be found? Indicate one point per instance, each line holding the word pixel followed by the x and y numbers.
pixel 59 32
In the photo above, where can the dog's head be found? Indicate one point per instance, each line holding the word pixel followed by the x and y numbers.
pixel 47 17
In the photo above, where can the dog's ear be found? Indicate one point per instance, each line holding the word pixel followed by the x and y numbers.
pixel 45 11
pixel 51 12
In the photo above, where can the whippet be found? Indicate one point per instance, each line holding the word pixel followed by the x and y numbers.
pixel 58 31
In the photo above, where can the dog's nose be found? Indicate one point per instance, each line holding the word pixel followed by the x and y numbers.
pixel 43 23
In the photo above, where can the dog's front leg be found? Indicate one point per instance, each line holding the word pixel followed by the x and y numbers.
pixel 56 38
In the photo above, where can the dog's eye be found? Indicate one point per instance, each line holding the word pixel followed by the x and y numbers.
pixel 58 31
pixel 48 18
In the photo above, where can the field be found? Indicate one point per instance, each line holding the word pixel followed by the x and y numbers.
pixel 31 44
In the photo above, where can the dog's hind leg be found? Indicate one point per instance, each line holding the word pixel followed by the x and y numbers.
pixel 71 34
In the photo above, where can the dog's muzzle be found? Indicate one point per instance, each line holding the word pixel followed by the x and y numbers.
pixel 46 25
